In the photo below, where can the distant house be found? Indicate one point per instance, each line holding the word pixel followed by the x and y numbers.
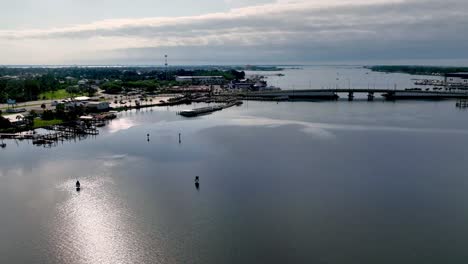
pixel 69 79
pixel 16 119
pixel 82 82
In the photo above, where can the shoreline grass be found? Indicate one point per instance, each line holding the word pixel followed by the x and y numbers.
pixel 56 95
pixel 38 123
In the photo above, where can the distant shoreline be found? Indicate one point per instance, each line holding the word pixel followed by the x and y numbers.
pixel 417 70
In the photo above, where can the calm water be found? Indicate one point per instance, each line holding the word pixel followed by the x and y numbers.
pixel 331 77
pixel 304 182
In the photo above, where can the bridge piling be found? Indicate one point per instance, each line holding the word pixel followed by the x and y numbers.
pixel 370 96
pixel 350 96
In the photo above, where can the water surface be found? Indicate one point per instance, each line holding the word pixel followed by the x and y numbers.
pixel 303 182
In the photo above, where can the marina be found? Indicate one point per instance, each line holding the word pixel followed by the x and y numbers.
pixel 51 135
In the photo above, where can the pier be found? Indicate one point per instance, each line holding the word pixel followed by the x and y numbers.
pixel 209 109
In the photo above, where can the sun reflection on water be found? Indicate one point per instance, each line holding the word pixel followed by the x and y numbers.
pixel 95 226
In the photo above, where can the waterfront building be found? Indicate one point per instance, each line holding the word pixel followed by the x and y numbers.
pixel 459 78
pixel 16 120
pixel 241 85
pixel 98 106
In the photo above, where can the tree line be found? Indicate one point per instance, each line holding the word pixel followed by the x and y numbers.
pixel 418 70
pixel 26 84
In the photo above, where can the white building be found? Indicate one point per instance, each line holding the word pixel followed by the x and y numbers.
pixel 82 98
pixel 16 119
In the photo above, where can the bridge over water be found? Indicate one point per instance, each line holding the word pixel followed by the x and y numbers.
pixel 333 94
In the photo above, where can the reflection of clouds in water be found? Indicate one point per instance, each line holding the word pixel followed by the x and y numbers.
pixel 324 129
pixel 116 156
pixel 305 126
pixel 11 172
pixel 121 123
pixel 112 160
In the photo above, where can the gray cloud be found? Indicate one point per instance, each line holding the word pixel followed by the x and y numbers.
pixel 284 31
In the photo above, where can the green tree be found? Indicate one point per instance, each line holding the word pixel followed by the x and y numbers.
pixel 31 89
pixel 73 90
pixel 112 87
pixel 15 90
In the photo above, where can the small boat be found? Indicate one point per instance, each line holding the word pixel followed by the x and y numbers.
pixel 197 184
pixel 2 145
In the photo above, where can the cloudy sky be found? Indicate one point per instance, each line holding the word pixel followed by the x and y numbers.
pixel 231 31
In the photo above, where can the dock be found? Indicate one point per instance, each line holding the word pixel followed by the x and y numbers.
pixel 462 103
pixel 209 109
pixel 55 134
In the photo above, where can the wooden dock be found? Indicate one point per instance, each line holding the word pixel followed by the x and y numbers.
pixel 58 133
pixel 462 103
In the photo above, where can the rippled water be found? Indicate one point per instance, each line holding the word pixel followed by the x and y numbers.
pixel 302 182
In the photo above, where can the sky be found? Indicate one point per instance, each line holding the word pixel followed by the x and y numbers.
pixel 231 31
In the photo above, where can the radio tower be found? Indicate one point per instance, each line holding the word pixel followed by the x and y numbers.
pixel 165 64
